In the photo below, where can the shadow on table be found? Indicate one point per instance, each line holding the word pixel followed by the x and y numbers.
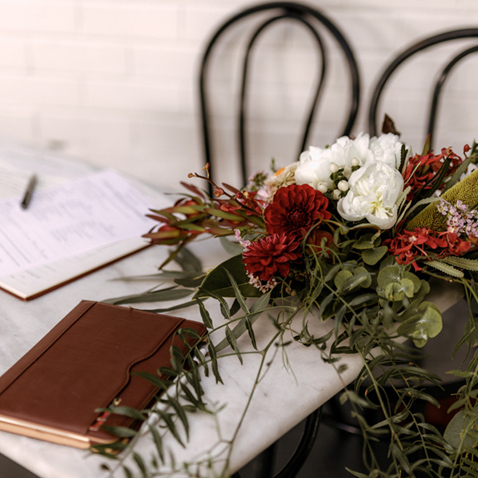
pixel 10 469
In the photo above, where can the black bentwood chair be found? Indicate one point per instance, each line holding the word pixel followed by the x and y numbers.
pixel 262 17
pixel 435 96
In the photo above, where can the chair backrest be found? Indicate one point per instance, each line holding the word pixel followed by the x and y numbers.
pixel 436 86
pixel 271 14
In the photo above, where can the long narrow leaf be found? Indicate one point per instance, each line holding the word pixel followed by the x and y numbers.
pixel 457 174
pixel 170 425
pixel 180 413
pixel 212 353
pixel 237 292
pixel 140 463
pixel 184 305
pixel 256 310
pixel 233 343
pixel 167 294
pixel 158 441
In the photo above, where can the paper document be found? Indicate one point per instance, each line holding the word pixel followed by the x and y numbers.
pixel 69 219
pixel 70 230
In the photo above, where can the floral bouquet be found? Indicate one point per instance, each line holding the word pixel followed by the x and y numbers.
pixel 363 221
pixel 354 233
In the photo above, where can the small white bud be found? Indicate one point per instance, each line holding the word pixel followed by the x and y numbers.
pixel 322 188
pixel 333 168
pixel 355 162
pixel 337 194
pixel 343 185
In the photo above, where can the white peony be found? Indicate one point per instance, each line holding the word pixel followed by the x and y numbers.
pixel 374 190
pixel 314 169
pixel 388 148
pixel 315 164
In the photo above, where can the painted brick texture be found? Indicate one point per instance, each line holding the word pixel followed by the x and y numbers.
pixel 115 81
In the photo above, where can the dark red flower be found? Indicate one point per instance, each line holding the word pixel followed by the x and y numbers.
pixel 316 239
pixel 455 245
pixel 407 245
pixel 421 169
pixel 295 209
pixel 271 256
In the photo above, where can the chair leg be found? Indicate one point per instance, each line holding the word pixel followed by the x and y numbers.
pixel 304 447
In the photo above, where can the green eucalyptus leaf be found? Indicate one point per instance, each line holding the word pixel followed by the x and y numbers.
pixel 394 291
pixel 357 279
pixel 408 287
pixel 427 324
pixel 217 281
pixel 331 273
pixel 360 271
pixel 363 244
pixel 388 275
pixel 412 277
pixel 340 279
pixel 457 430
pixel 372 256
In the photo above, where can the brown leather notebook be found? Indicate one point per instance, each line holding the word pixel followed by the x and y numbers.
pixel 85 363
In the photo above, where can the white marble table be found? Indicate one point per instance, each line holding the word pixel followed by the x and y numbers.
pixel 282 399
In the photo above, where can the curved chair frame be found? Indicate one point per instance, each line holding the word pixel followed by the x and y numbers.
pixel 302 451
pixel 410 51
pixel 290 10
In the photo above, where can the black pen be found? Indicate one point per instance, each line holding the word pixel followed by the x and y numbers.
pixel 29 192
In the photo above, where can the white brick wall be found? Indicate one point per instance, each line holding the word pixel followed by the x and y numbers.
pixel 114 81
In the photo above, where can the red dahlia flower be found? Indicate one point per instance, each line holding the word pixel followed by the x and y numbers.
pixel 295 209
pixel 270 256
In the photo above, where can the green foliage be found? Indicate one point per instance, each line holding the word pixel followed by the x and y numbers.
pixel 374 305
pixel 217 280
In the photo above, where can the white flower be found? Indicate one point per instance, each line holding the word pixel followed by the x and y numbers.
pixel 316 164
pixel 388 148
pixel 314 168
pixel 373 194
